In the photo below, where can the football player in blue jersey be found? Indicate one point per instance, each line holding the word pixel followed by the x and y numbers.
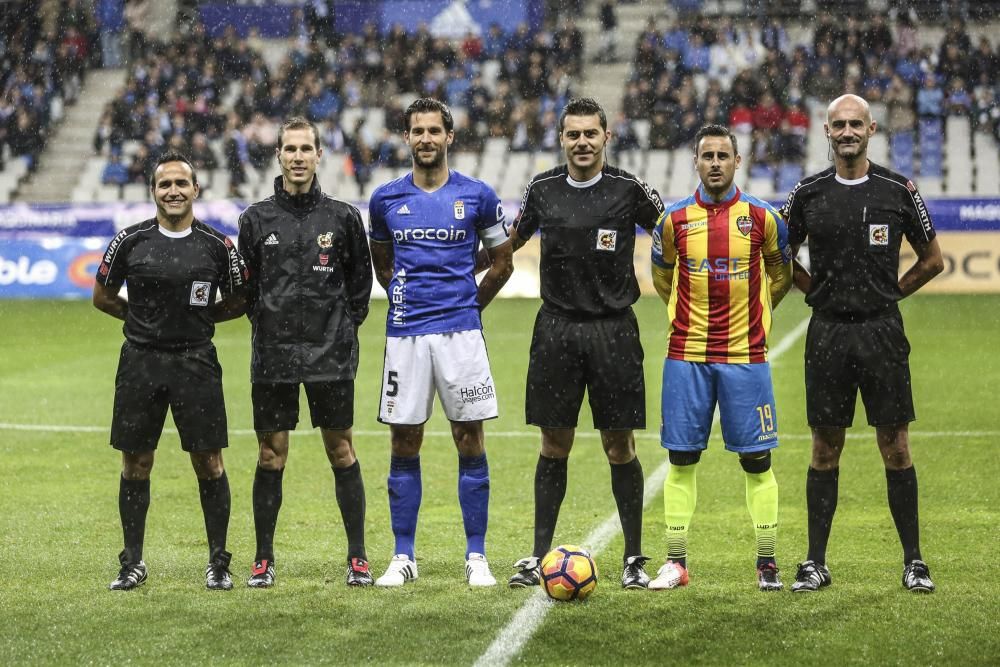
pixel 426 229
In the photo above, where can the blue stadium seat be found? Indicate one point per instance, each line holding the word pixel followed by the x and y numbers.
pixel 789 174
pixel 901 149
pixel 931 129
pixel 931 165
pixel 931 147
pixel 761 171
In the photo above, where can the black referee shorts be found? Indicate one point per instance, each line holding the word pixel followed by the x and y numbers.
pixel 843 357
pixel 603 357
pixel 276 405
pixel 149 381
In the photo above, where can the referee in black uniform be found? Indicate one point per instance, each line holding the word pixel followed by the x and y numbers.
pixel 311 279
pixel 586 336
pixel 174 266
pixel 855 215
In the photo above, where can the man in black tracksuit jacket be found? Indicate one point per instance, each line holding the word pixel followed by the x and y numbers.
pixel 312 278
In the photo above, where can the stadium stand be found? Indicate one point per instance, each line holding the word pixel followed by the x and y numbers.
pixel 767 75
pixel 46 49
pixel 353 86
pixel 773 81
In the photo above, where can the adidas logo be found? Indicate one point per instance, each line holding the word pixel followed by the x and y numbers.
pixel 272 239
pixel 403 210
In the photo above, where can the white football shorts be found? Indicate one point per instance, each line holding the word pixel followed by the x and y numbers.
pixel 455 365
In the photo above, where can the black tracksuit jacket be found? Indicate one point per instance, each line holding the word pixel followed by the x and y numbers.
pixel 310 282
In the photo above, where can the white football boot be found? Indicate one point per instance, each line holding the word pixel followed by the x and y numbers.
pixel 477 571
pixel 401 569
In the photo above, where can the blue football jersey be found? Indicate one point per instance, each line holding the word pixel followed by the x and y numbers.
pixel 435 237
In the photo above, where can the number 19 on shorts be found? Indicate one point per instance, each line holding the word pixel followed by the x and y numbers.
pixel 766 415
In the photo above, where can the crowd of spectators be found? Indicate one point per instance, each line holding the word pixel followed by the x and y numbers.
pixel 748 74
pixel 194 92
pixel 45 51
pixel 219 100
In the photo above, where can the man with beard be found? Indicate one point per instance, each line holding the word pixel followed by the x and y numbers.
pixel 721 262
pixel 855 215
pixel 586 336
pixel 309 293
pixel 425 230
pixel 174 266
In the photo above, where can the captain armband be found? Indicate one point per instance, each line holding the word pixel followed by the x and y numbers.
pixel 495 235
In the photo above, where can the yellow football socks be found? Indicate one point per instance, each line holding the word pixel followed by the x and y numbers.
pixel 680 495
pixel 762 501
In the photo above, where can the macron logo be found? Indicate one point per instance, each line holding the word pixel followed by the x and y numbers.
pixel 403 210
pixel 272 239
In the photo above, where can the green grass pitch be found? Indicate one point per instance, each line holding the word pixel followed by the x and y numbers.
pixel 59 531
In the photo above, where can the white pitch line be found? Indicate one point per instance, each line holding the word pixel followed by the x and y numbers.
pixel 865 434
pixel 869 434
pixel 529 617
pixel 71 428
pixel 785 343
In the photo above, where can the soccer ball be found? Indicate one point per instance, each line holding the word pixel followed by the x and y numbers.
pixel 569 573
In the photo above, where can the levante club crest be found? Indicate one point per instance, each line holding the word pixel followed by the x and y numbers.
pixel 744 223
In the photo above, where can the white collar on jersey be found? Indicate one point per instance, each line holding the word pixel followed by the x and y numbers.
pixel 853 181
pixel 174 235
pixel 584 184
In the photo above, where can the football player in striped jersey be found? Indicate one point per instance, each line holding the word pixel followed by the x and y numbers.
pixel 721 262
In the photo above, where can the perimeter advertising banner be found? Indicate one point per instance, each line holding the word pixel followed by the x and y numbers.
pixel 447 18
pixel 56 268
pixel 53 251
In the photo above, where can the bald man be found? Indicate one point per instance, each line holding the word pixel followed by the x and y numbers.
pixel 855 215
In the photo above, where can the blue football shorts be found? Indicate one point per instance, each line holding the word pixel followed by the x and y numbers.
pixel 743 393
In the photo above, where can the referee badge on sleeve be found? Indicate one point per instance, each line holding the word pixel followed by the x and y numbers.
pixel 199 293
pixel 878 235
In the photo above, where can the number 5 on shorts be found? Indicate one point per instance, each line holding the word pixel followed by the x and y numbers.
pixel 392 384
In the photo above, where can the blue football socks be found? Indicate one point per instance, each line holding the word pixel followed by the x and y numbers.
pixel 474 498
pixel 405 493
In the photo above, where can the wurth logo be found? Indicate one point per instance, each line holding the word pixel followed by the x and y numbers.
pixel 109 256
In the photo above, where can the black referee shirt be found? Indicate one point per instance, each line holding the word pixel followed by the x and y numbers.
pixel 588 238
pixel 855 229
pixel 172 281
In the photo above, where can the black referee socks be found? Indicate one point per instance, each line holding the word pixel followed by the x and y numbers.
pixel 901 486
pixel 215 505
pixel 821 502
pixel 133 504
pixel 627 485
pixel 266 504
pixel 550 489
pixel 350 490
